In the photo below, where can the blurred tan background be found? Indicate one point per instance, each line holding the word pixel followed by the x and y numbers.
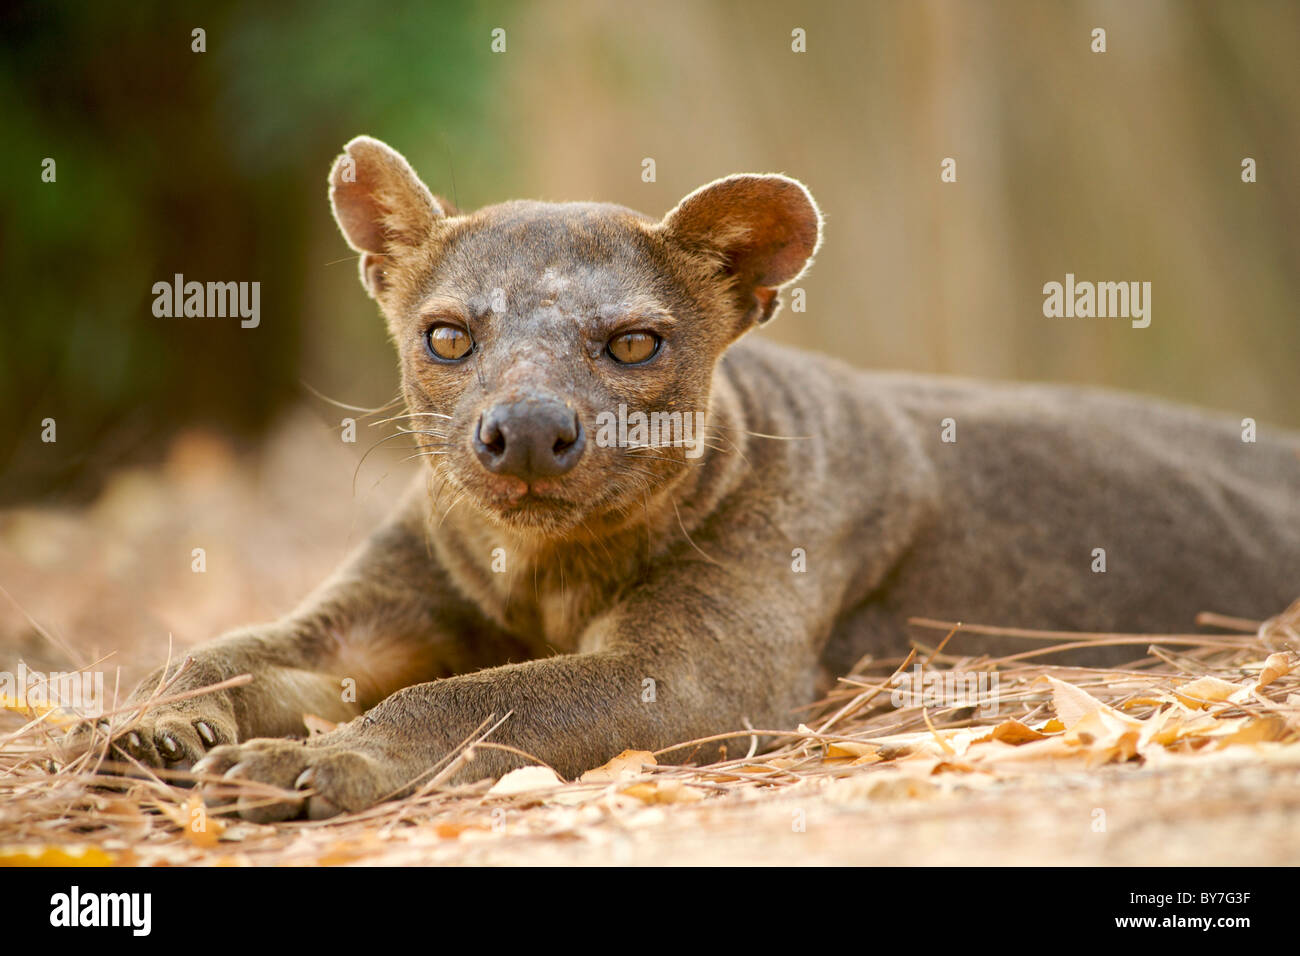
pixel 1122 166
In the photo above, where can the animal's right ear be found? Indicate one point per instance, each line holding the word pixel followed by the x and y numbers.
pixel 381 206
pixel 759 232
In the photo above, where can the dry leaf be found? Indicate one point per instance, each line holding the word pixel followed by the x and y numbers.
pixel 625 765
pixel 1014 732
pixel 53 714
pixel 1071 703
pixel 192 818
pixel 525 780
pixel 450 830
pixel 845 749
pixel 200 827
pixel 663 791
pixel 54 855
pixel 1106 735
pixel 1254 730
pixel 1205 689
pixel 1275 666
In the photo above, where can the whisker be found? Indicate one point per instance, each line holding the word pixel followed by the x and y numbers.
pixel 352 408
pixel 383 421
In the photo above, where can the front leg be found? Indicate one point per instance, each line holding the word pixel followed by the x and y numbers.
pixel 387 619
pixel 699 651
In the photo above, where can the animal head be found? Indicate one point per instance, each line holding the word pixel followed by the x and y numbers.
pixel 539 343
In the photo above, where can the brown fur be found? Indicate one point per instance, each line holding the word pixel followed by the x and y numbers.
pixel 644 568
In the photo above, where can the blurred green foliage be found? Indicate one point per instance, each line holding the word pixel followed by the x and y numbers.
pixel 207 164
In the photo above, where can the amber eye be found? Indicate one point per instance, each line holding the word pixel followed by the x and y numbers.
pixel 450 343
pixel 630 348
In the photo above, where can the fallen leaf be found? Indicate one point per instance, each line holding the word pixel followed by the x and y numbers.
pixel 1071 703
pixel 663 791
pixel 1203 690
pixel 847 749
pixel 193 820
pixel 1255 730
pixel 1275 666
pixel 1106 735
pixel 53 714
pixel 625 765
pixel 525 780
pixel 201 828
pixel 53 855
pixel 450 830
pixel 1013 731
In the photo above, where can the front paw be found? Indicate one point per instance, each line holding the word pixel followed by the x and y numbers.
pixel 315 779
pixel 169 737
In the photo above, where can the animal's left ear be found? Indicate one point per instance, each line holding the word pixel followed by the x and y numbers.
pixel 760 231
pixel 382 207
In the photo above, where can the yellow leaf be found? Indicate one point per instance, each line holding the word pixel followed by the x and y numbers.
pixel 56 715
pixel 1256 730
pixel 450 830
pixel 199 827
pixel 1143 702
pixel 849 748
pixel 1014 732
pixel 663 791
pixel 865 759
pixel 625 765
pixel 52 855
pixel 1275 666
pixel 1205 689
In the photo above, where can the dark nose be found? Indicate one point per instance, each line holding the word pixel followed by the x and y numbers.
pixel 532 438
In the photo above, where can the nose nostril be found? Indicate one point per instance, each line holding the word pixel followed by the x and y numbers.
pixel 491 438
pixel 529 439
pixel 566 437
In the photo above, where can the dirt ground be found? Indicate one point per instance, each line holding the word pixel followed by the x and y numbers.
pixel 114 582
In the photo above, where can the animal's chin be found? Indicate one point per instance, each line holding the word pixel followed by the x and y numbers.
pixel 556 516
pixel 541 509
pixel 548 507
pixel 535 511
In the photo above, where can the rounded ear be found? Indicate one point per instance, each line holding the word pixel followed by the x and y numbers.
pixel 381 206
pixel 761 231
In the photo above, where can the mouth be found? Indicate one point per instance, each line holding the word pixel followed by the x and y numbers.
pixel 519 501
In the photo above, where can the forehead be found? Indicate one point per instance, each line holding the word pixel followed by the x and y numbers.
pixel 552 252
